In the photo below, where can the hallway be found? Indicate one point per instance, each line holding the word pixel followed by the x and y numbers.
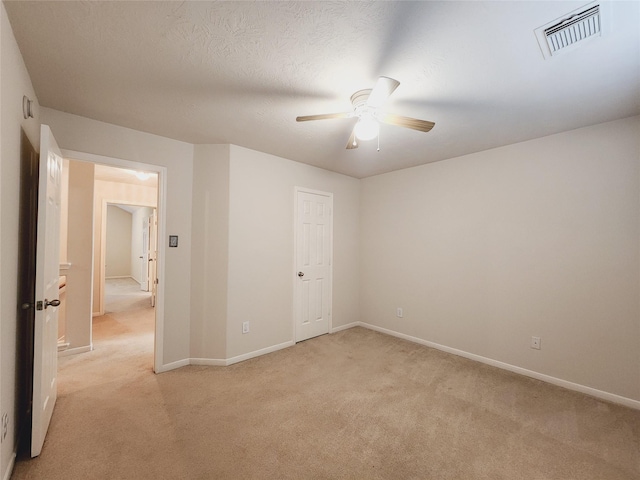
pixel 122 340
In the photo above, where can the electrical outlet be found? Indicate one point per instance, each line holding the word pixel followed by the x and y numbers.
pixel 399 312
pixel 245 327
pixel 535 343
pixel 5 425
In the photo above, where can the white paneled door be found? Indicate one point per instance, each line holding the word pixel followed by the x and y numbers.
pixel 45 354
pixel 145 258
pixel 314 248
pixel 153 256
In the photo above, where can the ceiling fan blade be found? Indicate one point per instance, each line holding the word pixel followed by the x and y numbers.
pixel 352 143
pixel 380 93
pixel 324 116
pixel 407 122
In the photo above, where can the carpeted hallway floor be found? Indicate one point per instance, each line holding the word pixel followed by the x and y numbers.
pixel 352 405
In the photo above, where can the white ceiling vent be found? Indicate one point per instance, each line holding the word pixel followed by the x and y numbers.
pixel 572 30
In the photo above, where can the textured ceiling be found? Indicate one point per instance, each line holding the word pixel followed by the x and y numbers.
pixel 240 72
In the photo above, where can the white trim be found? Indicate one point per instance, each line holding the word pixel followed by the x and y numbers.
pixel 103 255
pixel 313 192
pixel 611 397
pixel 161 209
pixel 161 231
pixel 296 285
pixel 171 366
pixel 258 353
pixel 74 351
pixel 116 277
pixel 9 470
pixel 344 327
pixel 221 362
pixel 210 362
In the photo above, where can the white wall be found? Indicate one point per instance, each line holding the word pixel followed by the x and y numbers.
pixel 209 252
pixel 64 212
pixel 243 270
pixel 80 256
pixel 14 84
pixel 261 255
pixel 85 135
pixel 118 244
pixel 539 238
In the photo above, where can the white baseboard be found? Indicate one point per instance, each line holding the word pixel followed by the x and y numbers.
pixel 173 365
pixel 211 362
pixel 9 470
pixel 257 353
pixel 219 362
pixel 611 397
pixel 344 327
pixel 75 351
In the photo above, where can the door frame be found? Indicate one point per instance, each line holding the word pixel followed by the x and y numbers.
pixel 28 215
pixel 161 211
pixel 296 285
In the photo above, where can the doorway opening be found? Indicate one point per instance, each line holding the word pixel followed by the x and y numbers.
pixel 117 225
pixel 129 283
pixel 130 239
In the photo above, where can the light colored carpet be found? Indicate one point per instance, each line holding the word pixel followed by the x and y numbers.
pixel 352 405
pixel 123 295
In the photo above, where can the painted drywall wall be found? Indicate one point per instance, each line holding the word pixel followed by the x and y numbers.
pixel 80 256
pixel 261 255
pixel 112 192
pixel 64 212
pixel 118 243
pixel 540 238
pixel 209 251
pixel 85 135
pixel 138 268
pixel 14 84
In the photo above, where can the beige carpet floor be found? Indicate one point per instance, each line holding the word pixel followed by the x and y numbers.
pixel 352 405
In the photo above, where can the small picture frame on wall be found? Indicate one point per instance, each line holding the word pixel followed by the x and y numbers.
pixel 173 240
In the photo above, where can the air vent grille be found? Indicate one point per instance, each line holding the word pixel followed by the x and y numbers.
pixel 574 29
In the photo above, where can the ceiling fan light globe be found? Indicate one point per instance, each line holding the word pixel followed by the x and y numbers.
pixel 367 129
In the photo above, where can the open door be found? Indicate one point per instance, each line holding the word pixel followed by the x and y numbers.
pixel 145 286
pixel 45 355
pixel 153 256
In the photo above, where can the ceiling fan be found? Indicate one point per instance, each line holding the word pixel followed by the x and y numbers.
pixel 366 105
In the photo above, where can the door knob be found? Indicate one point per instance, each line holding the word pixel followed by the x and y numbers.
pixel 301 274
pixel 40 305
pixel 52 303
